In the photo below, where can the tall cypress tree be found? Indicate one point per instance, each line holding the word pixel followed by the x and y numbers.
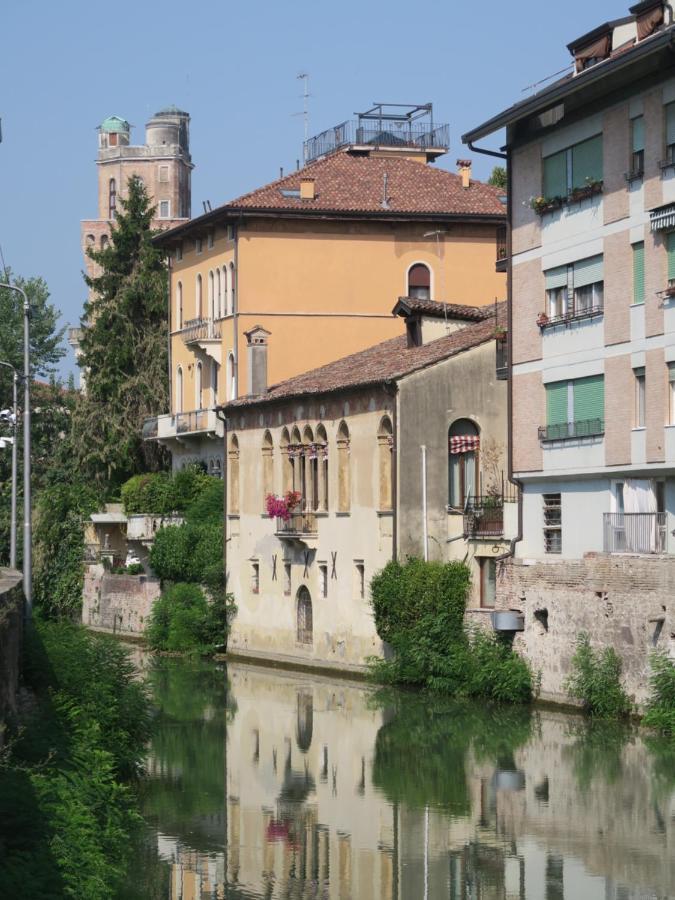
pixel 124 350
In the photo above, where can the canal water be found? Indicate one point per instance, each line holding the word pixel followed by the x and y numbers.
pixel 264 783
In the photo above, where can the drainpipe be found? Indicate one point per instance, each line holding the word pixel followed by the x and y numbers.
pixel 391 388
pixel 220 414
pixel 425 534
pixel 168 337
pixel 235 311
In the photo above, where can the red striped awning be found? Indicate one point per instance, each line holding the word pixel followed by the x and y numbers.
pixel 464 443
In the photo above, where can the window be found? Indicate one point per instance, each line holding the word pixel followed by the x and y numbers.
pixel 671 392
pixel 323 579
pixel 231 377
pixel 164 209
pixel 359 580
pixel 226 291
pixel 230 232
pixel 670 133
pixel 419 282
pixel 233 471
pixel 463 446
pixel 575 408
pixel 637 159
pixel 639 375
pixel 639 272
pixel 573 168
pixel 198 245
pixel 198 386
pixel 488 582
pixel 104 241
pixel 218 294
pixel 112 198
pixel 344 474
pixel 233 298
pixel 267 467
pixel 670 252
pixel 385 441
pixel 287 579
pixel 575 289
pixel 198 297
pixel 322 452
pixel 211 294
pixel 179 251
pixel 214 382
pixel 304 614
pixel 179 304
pixel 179 390
pixel 163 174
pixel 552 523
pixel 209 240
pixel 255 578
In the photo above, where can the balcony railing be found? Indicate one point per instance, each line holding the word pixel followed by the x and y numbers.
pixel 380 134
pixel 298 526
pixel 192 421
pixel 634 532
pixel 578 315
pixel 194 330
pixel 566 431
pixel 150 427
pixel 484 516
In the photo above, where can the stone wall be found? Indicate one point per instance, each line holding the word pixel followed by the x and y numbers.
pixel 11 615
pixel 120 604
pixel 626 602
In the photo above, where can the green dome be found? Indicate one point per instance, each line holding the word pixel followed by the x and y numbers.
pixel 171 111
pixel 114 124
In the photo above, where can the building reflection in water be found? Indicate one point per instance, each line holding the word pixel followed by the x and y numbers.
pixel 322 790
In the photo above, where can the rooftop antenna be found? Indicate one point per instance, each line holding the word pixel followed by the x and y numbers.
pixel 304 76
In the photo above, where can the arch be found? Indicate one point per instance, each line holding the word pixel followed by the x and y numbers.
pixel 91 240
pixel 344 469
pixel 112 198
pixel 104 241
pixel 267 466
pixel 231 377
pixel 211 296
pixel 310 470
pixel 322 451
pixel 226 291
pixel 286 462
pixel 305 624
pixel 179 390
pixel 295 436
pixel 214 382
pixel 418 281
pixel 385 442
pixel 198 386
pixel 233 471
pixel 232 289
pixel 179 304
pixel 463 462
pixel 218 294
pixel 198 297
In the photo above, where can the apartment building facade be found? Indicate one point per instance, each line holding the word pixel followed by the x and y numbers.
pixel 591 163
pixel 315 259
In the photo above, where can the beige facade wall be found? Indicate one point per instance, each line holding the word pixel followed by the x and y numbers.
pixel 529 413
pixel 656 411
pixel 619 411
pixel 655 281
pixel 526 178
pixel 654 147
pixel 616 163
pixel 618 287
pixel 529 299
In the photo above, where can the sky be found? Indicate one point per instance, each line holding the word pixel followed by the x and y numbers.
pixel 65 66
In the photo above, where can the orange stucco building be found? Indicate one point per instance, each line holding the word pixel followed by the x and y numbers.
pixel 318 260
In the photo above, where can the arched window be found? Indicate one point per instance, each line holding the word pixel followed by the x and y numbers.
pixel 419 282
pixel 463 444
pixel 211 292
pixel 322 452
pixel 91 240
pixel 226 291
pixel 104 241
pixel 231 378
pixel 198 297
pixel 304 613
pixel 385 442
pixel 233 471
pixel 309 471
pixel 214 382
pixel 198 386
pixel 233 289
pixel 179 390
pixel 344 473
pixel 286 463
pixel 218 294
pixel 267 467
pixel 112 198
pixel 179 304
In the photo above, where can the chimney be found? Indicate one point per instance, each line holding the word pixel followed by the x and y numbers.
pixel 256 340
pixel 307 191
pixel 464 171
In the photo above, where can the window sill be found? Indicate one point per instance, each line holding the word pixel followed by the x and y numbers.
pixel 666 164
pixel 233 516
pixel 342 514
pixel 638 305
pixel 384 513
pixel 634 176
pixel 639 428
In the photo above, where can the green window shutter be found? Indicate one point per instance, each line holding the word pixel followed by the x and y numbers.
pixel 556 278
pixel 555 175
pixel 639 272
pixel 670 244
pixel 670 123
pixel 587 161
pixel 556 403
pixel 638 134
pixel 588 271
pixel 589 398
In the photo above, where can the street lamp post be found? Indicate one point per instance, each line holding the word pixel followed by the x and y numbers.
pixel 27 535
pixel 12 532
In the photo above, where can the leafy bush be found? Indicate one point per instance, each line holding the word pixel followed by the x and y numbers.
pixel 660 709
pixel 595 680
pixel 160 494
pixel 183 620
pixel 207 506
pixel 192 553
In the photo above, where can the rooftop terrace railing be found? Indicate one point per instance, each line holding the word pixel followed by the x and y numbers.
pixel 384 134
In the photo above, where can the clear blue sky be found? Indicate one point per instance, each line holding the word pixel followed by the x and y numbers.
pixel 233 66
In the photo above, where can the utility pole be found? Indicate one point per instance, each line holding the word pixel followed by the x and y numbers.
pixel 304 76
pixel 13 419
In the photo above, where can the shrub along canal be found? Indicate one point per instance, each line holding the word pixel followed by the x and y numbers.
pixel 267 783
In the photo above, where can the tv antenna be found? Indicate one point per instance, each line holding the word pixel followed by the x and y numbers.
pixel 304 77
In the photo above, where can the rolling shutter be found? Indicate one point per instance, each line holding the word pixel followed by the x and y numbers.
pixel 589 398
pixel 555 175
pixel 556 278
pixel 639 272
pixel 556 403
pixel 670 244
pixel 638 134
pixel 587 161
pixel 588 271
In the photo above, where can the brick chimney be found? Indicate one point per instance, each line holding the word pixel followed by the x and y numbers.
pixel 256 340
pixel 464 171
pixel 307 189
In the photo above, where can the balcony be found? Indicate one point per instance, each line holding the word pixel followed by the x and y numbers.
pixel 634 532
pixel 579 315
pixel 183 425
pixel 484 517
pixel 299 527
pixel 205 334
pixel 566 431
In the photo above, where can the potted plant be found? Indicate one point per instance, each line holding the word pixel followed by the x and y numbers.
pixel 542 319
pixel 670 290
pixel 500 333
pixel 282 507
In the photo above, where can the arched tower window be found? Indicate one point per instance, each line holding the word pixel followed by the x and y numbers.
pixel 233 471
pixel 198 386
pixel 112 198
pixel 179 304
pixel 304 614
pixel 179 390
pixel 104 241
pixel 419 282
pixel 385 442
pixel 267 466
pixel 463 446
pixel 344 469
pixel 198 297
pixel 322 481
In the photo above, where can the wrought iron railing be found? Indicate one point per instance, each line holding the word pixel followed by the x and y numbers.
pixel 301 524
pixel 150 427
pixel 502 360
pixel 484 516
pixel 198 420
pixel 565 431
pixel 634 532
pixel 577 315
pixel 381 134
pixel 200 330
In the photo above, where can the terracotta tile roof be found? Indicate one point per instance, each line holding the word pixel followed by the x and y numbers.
pixel 387 361
pixel 434 308
pixel 345 182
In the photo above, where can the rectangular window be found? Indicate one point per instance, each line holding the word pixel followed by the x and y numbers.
pixel 164 209
pixel 670 251
pixel 323 579
pixel 209 241
pixel 572 168
pixel 287 579
pixel 639 272
pixel 552 523
pixel 198 245
pixel 671 392
pixel 575 408
pixel 255 578
pixel 670 133
pixel 639 397
pixel 637 160
pixel 360 580
pixel 163 174
pixel 557 403
pixel 488 582
pixel 179 251
pixel 556 291
pixel 555 175
pixel 575 289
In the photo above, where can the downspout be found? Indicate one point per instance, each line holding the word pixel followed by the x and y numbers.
pixel 489 153
pixel 235 311
pixel 391 388
pixel 168 337
pixel 220 414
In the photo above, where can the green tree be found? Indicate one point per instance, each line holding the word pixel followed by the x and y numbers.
pixel 46 338
pixel 498 177
pixel 124 350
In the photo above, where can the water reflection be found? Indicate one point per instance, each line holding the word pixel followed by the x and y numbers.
pixel 281 785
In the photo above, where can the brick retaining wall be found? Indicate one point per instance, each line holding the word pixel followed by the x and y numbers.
pixel 117 603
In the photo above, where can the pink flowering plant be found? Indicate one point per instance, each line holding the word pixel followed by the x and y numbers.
pixel 282 507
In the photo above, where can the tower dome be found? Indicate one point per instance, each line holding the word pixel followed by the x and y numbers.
pixel 113 132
